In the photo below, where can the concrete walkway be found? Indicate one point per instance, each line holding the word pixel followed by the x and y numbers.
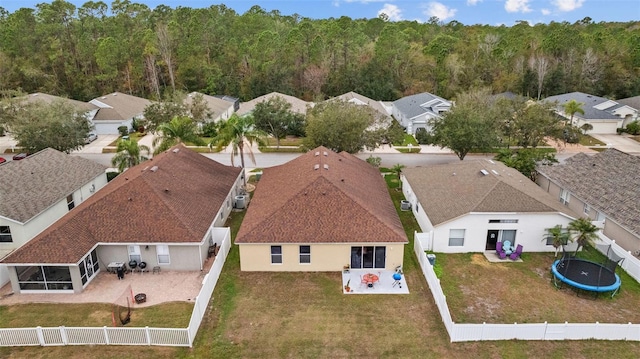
pixel 620 142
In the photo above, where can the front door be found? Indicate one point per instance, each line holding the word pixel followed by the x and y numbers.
pixel 492 239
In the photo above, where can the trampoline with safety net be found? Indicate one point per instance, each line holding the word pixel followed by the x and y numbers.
pixel 588 275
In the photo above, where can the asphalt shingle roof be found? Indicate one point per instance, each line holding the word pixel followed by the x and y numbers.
pixel 589 101
pixel 607 181
pixel 216 105
pixel 451 190
pixel 119 107
pixel 32 185
pixel 360 99
pixel 631 102
pixel 344 200
pixel 48 99
pixel 297 105
pixel 172 198
pixel 414 105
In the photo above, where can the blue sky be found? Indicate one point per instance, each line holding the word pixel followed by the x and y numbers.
pixel 491 12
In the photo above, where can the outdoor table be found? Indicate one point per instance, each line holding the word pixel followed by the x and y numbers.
pixel 370 279
pixel 113 266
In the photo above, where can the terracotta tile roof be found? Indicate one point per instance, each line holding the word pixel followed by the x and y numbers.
pixel 172 198
pixel 607 181
pixel 452 190
pixel 347 201
pixel 32 185
pixel 119 107
pixel 297 105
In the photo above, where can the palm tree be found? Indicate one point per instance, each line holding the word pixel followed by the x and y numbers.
pixel 585 232
pixel 559 236
pixel 180 129
pixel 572 107
pixel 129 154
pixel 238 132
pixel 397 169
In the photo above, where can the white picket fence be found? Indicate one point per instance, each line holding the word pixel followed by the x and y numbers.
pixel 522 331
pixel 128 336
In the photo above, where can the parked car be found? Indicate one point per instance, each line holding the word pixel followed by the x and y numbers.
pixel 92 137
pixel 2 160
pixel 20 156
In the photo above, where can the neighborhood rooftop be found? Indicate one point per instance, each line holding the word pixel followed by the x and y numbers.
pixel 172 198
pixel 594 107
pixel 452 190
pixel 322 197
pixel 608 181
pixel 119 106
pixel 417 104
pixel 297 105
pixel 33 184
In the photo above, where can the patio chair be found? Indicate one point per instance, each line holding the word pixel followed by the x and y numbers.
pixel 515 255
pixel 499 251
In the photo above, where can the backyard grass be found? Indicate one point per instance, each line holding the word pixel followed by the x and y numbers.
pixel 305 315
pixel 92 315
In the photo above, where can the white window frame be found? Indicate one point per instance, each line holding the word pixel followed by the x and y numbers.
pixel 455 235
pixel 275 256
pixel 305 255
pixel 70 203
pixel 135 254
pixel 565 196
pixel 586 208
pixel 162 252
pixel 6 234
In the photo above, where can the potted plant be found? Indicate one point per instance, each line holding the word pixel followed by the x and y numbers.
pixel 346 287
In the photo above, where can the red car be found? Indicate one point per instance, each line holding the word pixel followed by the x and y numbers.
pixel 20 156
pixel 2 160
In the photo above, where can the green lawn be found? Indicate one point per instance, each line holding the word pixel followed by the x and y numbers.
pixel 407 140
pixel 587 140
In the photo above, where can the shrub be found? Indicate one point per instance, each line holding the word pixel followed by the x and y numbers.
pixel 123 130
pixel 423 137
pixel 374 161
pixel 634 128
pixel 210 129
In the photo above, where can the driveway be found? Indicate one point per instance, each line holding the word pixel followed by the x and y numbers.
pixel 97 145
pixel 619 142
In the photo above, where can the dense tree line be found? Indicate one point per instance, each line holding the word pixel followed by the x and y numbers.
pixel 84 52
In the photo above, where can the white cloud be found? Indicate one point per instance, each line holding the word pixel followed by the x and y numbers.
pixel 441 11
pixel 545 11
pixel 473 2
pixel 517 6
pixel 392 11
pixel 567 5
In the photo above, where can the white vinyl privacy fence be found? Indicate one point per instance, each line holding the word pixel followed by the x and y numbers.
pixel 47 336
pixel 527 331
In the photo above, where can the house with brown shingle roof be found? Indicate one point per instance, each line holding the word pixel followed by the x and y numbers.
pixel 163 212
pixel 39 190
pixel 321 212
pixel 603 187
pixel 469 206
pixel 217 108
pixel 115 110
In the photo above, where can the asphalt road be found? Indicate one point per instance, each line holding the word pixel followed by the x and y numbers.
pixel 264 160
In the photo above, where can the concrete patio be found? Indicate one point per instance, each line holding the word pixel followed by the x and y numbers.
pixel 384 285
pixel 165 286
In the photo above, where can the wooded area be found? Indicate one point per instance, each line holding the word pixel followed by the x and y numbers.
pixel 96 49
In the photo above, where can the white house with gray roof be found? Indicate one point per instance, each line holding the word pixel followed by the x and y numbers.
pixel 39 190
pixel 603 187
pixel 415 111
pixel 469 206
pixel 115 110
pixel 605 115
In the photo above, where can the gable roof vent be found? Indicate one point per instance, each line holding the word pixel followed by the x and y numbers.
pixel 176 150
pixel 326 166
pixel 495 172
pixel 154 168
pixel 317 153
pixel 315 167
pixel 484 172
pixel 325 153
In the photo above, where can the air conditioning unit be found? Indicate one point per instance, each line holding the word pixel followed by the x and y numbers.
pixel 240 202
pixel 405 205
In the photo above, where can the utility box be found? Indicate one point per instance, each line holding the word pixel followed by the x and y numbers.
pixel 405 205
pixel 240 202
pixel 432 259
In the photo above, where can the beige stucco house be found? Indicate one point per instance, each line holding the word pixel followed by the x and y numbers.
pixel 469 206
pixel 164 212
pixel 115 110
pixel 321 212
pixel 603 187
pixel 39 190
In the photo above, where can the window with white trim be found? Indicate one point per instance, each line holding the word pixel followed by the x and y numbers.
pixel 5 234
pixel 276 254
pixel 456 237
pixel 586 209
pixel 564 197
pixel 305 254
pixel 162 251
pixel 134 254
